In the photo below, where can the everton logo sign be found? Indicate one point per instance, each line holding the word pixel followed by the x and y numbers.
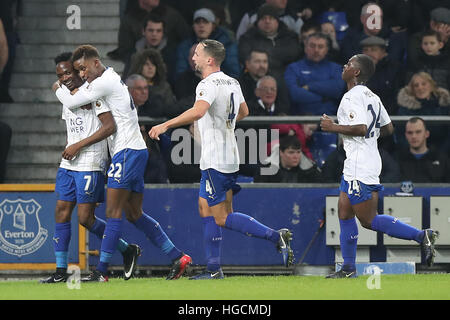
pixel 21 232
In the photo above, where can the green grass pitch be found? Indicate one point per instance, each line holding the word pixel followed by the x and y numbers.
pixel 398 287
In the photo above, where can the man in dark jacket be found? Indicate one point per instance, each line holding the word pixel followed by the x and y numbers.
pixel 256 67
pixel 417 162
pixel 389 74
pixel 130 29
pixel 272 36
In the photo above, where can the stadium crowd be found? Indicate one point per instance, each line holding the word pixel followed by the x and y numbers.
pixel 288 56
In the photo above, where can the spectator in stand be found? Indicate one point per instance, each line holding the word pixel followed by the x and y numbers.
pixel 8 17
pixel 264 102
pixel 334 53
pixel 153 37
pixel 138 87
pixel 187 81
pixel 418 162
pixel 156 170
pixel 204 26
pixel 439 22
pixel 314 83
pixel 293 165
pixel 130 29
pixel 389 74
pixel 256 67
pixel 422 97
pixel 303 132
pixel 432 60
pixel 334 164
pixel 292 21
pixel 372 24
pixel 272 36
pixel 150 65
pixel 309 28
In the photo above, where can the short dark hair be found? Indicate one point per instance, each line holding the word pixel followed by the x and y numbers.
pixel 215 49
pixel 366 67
pixel 310 25
pixel 320 35
pixel 431 33
pixel 290 142
pixel 63 57
pixel 153 18
pixel 417 119
pixel 85 51
pixel 258 50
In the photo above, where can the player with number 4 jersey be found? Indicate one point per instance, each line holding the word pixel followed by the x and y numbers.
pixel 218 105
pixel 362 118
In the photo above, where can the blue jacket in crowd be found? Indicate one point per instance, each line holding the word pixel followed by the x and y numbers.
pixel 325 87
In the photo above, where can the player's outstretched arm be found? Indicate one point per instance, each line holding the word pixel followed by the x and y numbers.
pixel 189 116
pixel 80 98
pixel 108 128
pixel 327 124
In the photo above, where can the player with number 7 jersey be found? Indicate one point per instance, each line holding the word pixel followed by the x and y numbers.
pixel 129 159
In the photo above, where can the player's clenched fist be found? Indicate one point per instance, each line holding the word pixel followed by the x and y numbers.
pixel 326 123
pixel 157 130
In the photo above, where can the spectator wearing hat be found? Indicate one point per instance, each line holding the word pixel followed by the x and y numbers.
pixel 389 74
pixel 439 22
pixel 292 21
pixel 314 83
pixel 204 27
pixel 273 37
pixel 432 60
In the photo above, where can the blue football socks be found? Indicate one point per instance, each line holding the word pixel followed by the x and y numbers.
pixel 247 225
pixel 157 236
pixel 348 240
pixel 98 228
pixel 61 240
pixel 212 238
pixel 110 240
pixel 395 228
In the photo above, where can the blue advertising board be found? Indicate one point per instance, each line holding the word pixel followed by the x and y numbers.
pixel 27 223
pixel 297 208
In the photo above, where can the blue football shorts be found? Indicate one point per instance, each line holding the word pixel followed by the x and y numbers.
pixel 214 186
pixel 80 186
pixel 127 170
pixel 357 191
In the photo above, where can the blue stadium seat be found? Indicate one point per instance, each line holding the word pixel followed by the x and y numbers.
pixel 339 20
